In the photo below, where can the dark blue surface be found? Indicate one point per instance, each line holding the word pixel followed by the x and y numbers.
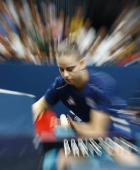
pixel 30 79
pixel 37 79
pixel 16 115
pixel 17 144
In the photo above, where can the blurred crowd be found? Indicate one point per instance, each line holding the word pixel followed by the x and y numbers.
pixel 33 37
pixel 120 45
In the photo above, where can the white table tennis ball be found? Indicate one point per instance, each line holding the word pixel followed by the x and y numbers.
pixel 63 120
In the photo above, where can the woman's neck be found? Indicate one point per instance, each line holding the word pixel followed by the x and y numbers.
pixel 79 85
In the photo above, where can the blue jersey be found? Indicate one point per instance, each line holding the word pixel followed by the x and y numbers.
pixel 99 93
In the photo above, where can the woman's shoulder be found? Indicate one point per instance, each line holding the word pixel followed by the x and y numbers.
pixel 101 79
pixel 60 82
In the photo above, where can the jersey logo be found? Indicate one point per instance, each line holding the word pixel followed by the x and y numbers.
pixel 71 101
pixel 90 102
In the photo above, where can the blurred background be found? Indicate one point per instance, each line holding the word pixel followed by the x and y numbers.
pixel 107 31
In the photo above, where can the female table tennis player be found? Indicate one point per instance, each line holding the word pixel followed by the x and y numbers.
pixel 90 95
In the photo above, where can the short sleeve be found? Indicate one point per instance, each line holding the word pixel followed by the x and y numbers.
pixel 110 104
pixel 51 95
pixel 107 97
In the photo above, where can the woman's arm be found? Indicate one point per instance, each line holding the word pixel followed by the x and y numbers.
pixel 95 128
pixel 40 107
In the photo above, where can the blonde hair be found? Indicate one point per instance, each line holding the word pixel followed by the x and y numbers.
pixel 69 48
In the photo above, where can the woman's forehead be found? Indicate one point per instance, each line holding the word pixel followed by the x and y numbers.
pixel 67 61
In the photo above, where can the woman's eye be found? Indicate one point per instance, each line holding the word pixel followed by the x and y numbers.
pixel 61 69
pixel 70 69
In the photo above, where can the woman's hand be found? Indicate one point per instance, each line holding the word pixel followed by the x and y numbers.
pixel 71 123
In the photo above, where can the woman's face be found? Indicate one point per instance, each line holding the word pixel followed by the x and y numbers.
pixel 69 68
